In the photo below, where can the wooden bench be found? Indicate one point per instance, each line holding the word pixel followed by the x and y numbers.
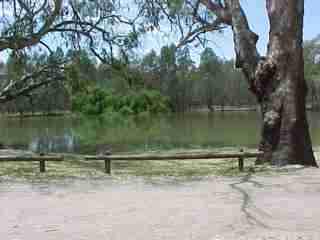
pixel 240 155
pixel 36 158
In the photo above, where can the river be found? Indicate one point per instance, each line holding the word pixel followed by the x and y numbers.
pixel 87 136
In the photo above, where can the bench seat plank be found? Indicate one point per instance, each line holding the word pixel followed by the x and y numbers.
pixel 4 158
pixel 178 156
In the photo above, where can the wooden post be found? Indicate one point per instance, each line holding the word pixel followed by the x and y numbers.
pixel 107 162
pixel 107 166
pixel 240 161
pixel 42 164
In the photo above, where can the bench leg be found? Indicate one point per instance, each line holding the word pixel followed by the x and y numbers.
pixel 107 166
pixel 240 160
pixel 42 164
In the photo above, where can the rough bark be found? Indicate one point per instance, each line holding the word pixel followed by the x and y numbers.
pixel 277 80
pixel 281 88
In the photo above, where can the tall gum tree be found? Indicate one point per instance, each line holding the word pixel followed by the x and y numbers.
pixel 277 79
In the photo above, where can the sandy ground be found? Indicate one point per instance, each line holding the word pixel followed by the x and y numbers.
pixel 253 207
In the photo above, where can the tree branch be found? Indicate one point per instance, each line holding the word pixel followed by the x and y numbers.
pixel 222 13
pixel 28 83
pixel 16 43
pixel 192 35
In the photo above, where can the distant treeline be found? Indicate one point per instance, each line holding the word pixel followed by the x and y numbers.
pixel 130 84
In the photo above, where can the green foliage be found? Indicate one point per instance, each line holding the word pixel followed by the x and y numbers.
pixel 16 65
pixel 47 98
pixel 175 5
pixel 81 72
pixel 312 70
pixel 99 101
pixel 149 84
pixel 92 102
pixel 209 60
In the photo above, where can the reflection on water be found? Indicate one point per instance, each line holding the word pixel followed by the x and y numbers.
pixel 195 130
pixel 65 143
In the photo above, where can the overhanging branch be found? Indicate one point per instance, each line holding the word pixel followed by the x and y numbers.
pixel 22 87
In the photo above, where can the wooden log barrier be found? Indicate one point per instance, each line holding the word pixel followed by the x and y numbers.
pixel 42 165
pixel 107 166
pixel 241 161
pixel 176 156
pixel 36 158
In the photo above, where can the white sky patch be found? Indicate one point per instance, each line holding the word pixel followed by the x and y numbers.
pixel 222 44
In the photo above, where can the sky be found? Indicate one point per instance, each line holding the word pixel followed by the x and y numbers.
pixel 222 44
pixel 257 17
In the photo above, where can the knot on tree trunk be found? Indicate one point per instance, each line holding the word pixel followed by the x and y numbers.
pixel 264 75
pixel 271 118
pixel 270 135
pixel 246 53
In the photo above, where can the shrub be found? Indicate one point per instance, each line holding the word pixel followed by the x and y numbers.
pixel 98 101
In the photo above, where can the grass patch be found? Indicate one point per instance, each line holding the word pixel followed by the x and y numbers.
pixel 75 168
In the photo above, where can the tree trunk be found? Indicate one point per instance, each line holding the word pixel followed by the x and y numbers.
pixel 281 88
pixel 277 80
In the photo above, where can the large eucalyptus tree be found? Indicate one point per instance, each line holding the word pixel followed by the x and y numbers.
pixel 277 79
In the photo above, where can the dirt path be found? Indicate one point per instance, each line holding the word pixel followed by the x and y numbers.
pixel 252 207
